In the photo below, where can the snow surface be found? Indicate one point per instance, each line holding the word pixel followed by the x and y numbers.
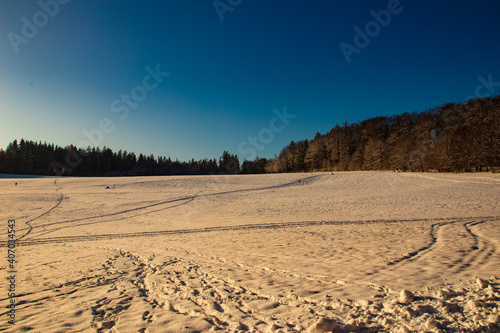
pixel 246 252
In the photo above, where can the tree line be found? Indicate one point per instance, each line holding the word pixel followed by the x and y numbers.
pixel 37 158
pixel 455 137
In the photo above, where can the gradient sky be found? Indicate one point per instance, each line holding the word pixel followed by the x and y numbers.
pixel 227 76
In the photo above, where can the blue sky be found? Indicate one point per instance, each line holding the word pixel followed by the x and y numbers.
pixel 226 77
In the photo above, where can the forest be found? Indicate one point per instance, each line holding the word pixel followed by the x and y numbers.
pixel 455 137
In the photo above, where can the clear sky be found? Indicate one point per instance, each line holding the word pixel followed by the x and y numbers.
pixel 190 79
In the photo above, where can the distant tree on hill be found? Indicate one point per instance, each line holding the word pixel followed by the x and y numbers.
pixel 229 163
pixel 256 166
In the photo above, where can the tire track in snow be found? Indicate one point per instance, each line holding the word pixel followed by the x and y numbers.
pixel 412 256
pixel 111 220
pixel 476 254
pixel 459 181
pixel 279 225
pixel 39 216
pixel 303 181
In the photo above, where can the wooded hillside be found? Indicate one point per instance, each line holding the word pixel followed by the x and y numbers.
pixel 452 137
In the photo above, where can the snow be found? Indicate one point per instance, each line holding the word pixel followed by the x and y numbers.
pixel 246 252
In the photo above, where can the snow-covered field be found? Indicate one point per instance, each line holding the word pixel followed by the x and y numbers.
pixel 284 253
